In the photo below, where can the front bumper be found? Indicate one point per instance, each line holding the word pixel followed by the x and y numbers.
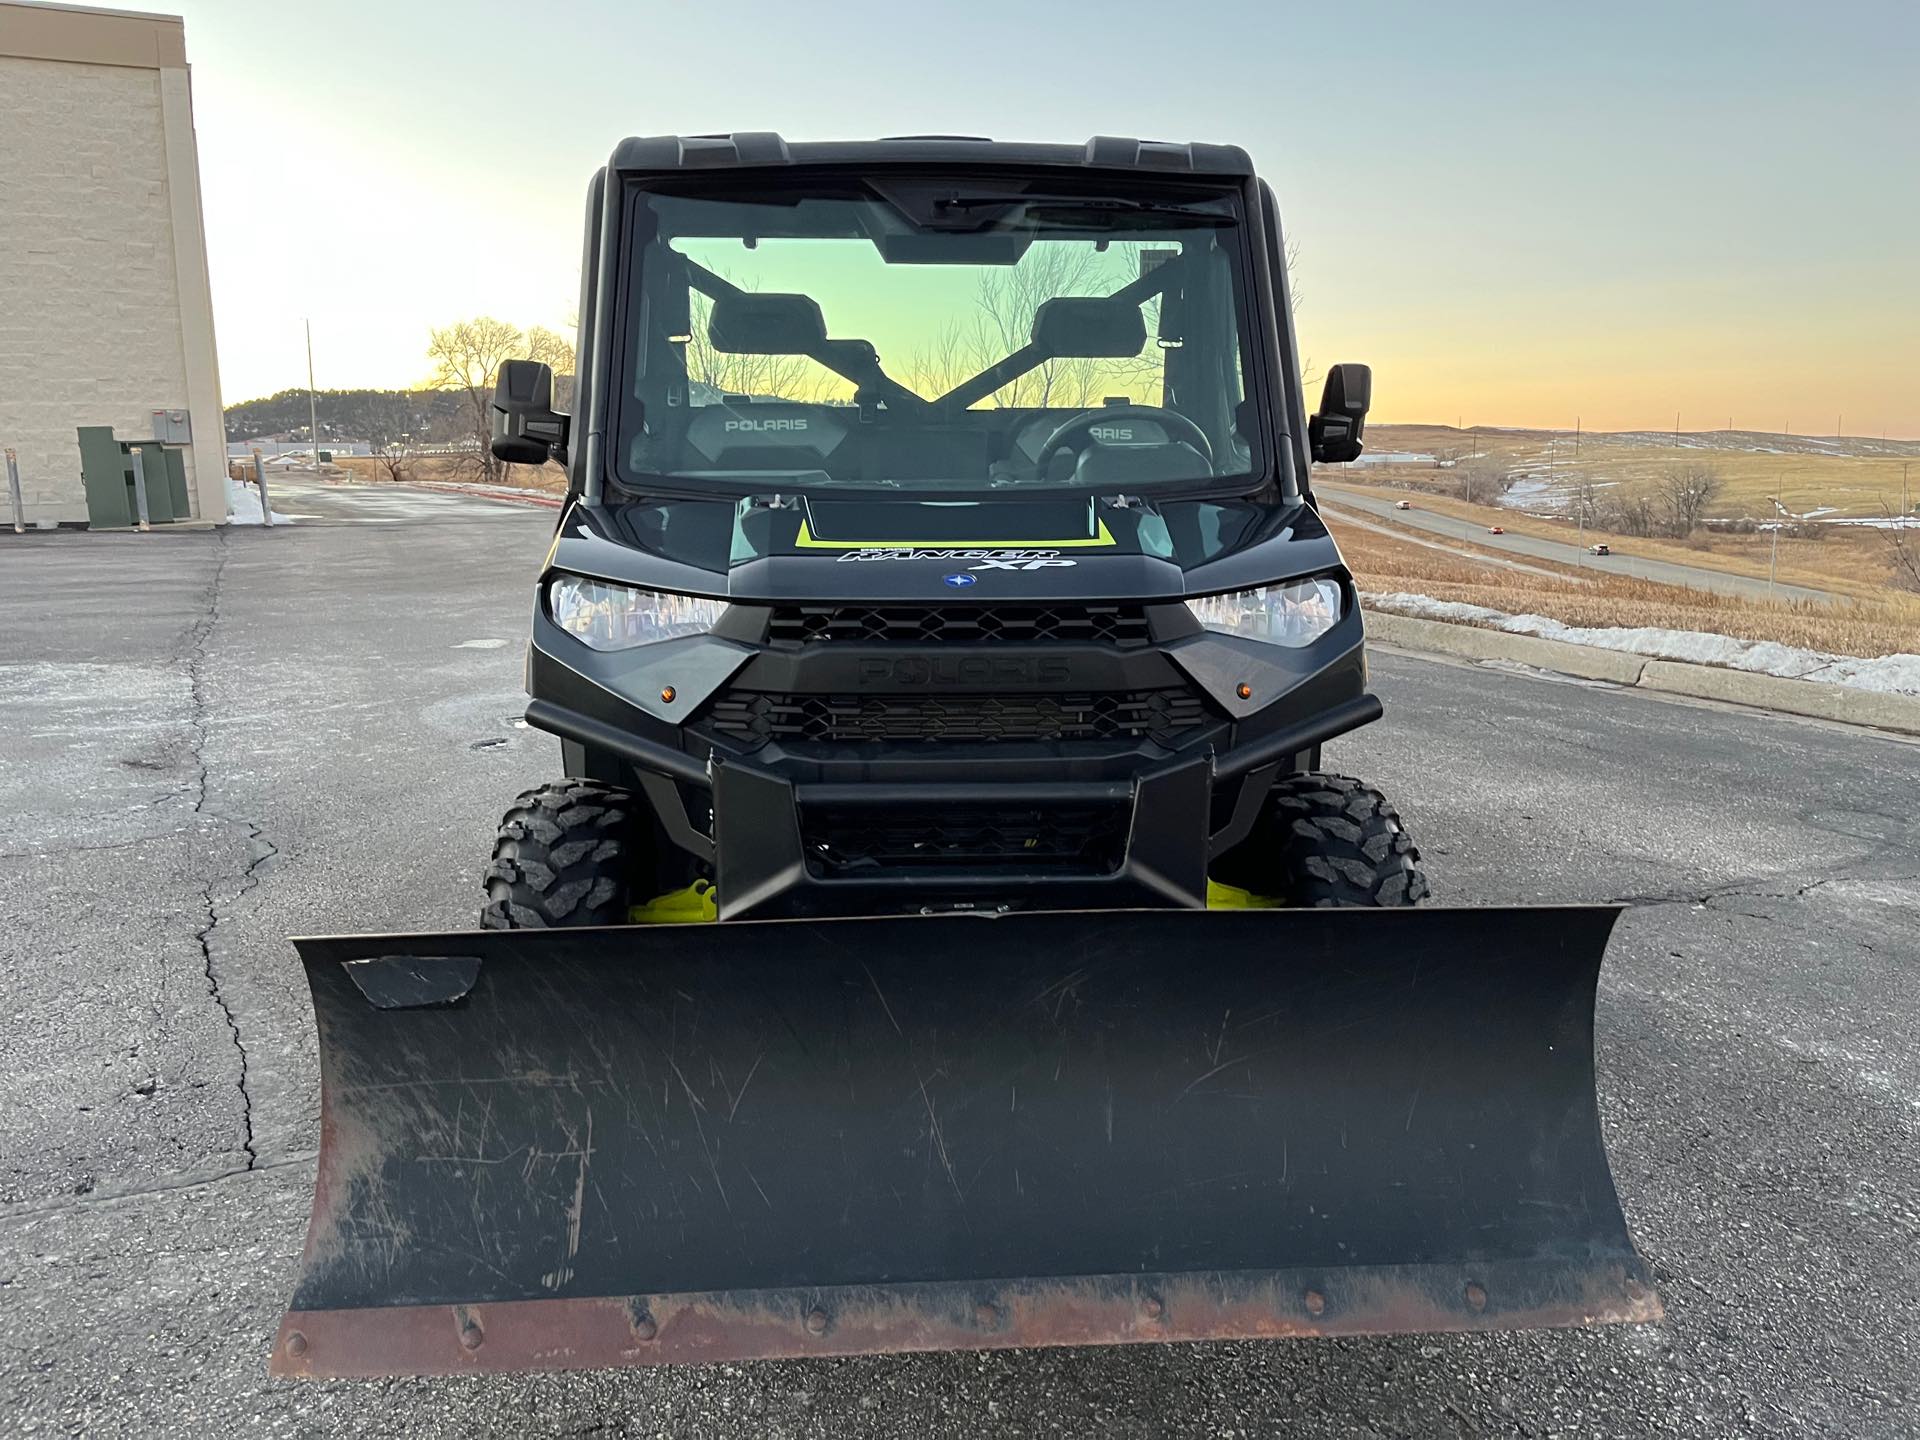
pixel 790 825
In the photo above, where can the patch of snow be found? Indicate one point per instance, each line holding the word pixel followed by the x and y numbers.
pixel 1882 522
pixel 243 507
pixel 1522 492
pixel 1888 674
pixel 1395 457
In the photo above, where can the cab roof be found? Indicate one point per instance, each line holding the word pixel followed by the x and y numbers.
pixel 763 149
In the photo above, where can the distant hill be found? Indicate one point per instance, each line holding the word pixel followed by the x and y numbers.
pixel 352 415
pixel 429 416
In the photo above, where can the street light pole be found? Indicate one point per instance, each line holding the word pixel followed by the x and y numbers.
pixel 313 405
pixel 1773 557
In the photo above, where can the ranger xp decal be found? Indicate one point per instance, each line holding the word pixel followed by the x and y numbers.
pixel 999 559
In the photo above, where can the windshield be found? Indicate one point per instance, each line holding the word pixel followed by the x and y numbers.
pixel 932 336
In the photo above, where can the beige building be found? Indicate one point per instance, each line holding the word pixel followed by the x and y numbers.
pixel 105 312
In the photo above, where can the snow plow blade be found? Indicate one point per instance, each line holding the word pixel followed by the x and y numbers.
pixel 582 1148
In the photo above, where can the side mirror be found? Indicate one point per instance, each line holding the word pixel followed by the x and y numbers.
pixel 1334 435
pixel 526 428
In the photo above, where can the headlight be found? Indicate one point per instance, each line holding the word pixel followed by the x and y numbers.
pixel 1294 614
pixel 618 617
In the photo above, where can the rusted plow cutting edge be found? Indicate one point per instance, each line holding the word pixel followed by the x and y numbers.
pixel 867 1320
pixel 681 1144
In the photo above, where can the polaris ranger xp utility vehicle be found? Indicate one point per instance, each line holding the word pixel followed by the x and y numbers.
pixel 945 933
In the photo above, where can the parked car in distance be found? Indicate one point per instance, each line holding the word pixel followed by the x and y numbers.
pixel 1403 504
pixel 1601 548
pixel 1496 530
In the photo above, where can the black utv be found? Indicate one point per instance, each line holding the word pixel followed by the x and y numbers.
pixel 940 606
pixel 940 538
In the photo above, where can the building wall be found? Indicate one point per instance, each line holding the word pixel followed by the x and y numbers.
pixel 104 307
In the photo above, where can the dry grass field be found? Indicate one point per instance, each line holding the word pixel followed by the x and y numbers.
pixel 453 469
pixel 1853 476
pixel 1873 479
pixel 1884 624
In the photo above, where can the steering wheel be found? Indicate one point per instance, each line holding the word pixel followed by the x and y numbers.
pixel 1177 427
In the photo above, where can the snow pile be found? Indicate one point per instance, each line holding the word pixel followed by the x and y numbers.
pixel 1395 457
pixel 1889 674
pixel 243 507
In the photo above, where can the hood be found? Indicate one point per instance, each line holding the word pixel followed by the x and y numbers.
pixel 852 548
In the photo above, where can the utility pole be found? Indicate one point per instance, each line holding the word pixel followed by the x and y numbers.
pixel 313 405
pixel 1906 505
pixel 1676 429
pixel 1576 437
pixel 1773 557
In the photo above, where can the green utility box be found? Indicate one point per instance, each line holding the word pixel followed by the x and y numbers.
pixel 106 470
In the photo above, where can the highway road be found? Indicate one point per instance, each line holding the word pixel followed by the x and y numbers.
pixel 1622 561
pixel 216 740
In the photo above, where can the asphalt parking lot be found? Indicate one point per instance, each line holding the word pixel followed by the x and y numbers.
pixel 211 741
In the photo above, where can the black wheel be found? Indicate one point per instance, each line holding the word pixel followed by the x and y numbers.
pixel 564 855
pixel 1327 840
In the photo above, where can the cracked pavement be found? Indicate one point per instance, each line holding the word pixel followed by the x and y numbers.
pixel 213 741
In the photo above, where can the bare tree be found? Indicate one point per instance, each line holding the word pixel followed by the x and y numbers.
pixel 1003 322
pixel 390 426
pixel 1583 500
pixel 1629 511
pixel 550 349
pixel 766 377
pixel 467 355
pixel 1683 493
pixel 1482 476
pixel 940 364
pixel 1901 551
pixel 1308 374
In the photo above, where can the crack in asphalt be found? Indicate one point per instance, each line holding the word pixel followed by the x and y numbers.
pixel 168 1185
pixel 1736 890
pixel 195 657
pixel 1714 900
pixel 52 851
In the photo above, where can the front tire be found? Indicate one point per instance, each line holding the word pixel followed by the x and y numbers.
pixel 1325 841
pixel 563 856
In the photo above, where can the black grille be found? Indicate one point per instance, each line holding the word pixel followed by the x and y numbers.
pixel 1120 625
pixel 756 716
pixel 1071 839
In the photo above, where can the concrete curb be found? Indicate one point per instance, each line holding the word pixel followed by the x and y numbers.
pixel 1849 706
pixel 543 498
